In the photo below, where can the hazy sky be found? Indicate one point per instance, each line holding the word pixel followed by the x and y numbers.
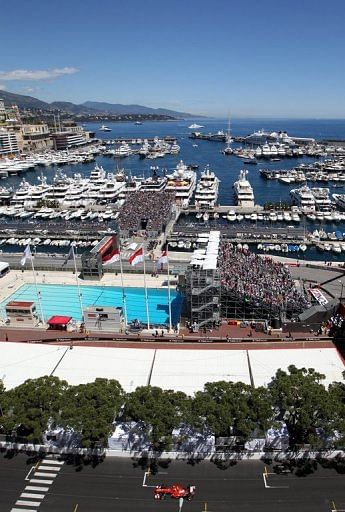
pixel 249 58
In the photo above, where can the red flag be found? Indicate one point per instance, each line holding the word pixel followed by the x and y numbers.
pixel 136 257
pixel 111 257
pixel 163 258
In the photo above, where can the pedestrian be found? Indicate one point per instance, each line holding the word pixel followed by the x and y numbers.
pixel 6 337
pixel 162 332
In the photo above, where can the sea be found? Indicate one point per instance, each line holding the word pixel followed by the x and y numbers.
pixel 203 153
pixel 209 153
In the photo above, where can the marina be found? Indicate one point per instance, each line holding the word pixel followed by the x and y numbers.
pixel 82 199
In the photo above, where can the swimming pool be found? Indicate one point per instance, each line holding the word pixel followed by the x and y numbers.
pixel 63 300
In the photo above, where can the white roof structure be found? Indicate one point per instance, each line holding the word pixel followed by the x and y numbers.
pixel 131 367
pixel 207 258
pixel 189 370
pixel 265 363
pixel 22 361
pixel 181 370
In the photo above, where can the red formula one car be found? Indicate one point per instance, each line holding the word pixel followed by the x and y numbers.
pixel 176 491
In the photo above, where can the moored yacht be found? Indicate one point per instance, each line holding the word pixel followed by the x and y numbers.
pixel 322 199
pixel 339 200
pixel 243 190
pixel 122 151
pixel 303 197
pixel 206 193
pixel 182 181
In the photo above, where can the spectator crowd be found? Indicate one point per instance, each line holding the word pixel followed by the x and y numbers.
pixel 259 280
pixel 148 211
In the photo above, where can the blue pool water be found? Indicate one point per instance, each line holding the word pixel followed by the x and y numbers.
pixel 63 300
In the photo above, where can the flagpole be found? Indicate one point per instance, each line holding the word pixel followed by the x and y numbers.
pixel 78 286
pixel 169 294
pixel 35 281
pixel 123 290
pixel 146 298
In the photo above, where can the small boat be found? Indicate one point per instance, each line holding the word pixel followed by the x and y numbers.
pixel 104 128
pixel 231 216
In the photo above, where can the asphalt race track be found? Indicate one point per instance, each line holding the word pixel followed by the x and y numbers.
pixel 117 485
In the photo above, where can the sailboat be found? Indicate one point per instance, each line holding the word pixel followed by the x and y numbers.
pixel 228 150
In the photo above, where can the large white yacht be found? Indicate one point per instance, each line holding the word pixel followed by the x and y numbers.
pixel 195 126
pixel 104 128
pixel 206 193
pixel 243 190
pixel 76 195
pixel 175 149
pixel 123 150
pixel 182 181
pixel 303 197
pixel 322 199
pixel 339 200
pixel 154 183
pixel 145 149
pixel 110 192
pixel 22 193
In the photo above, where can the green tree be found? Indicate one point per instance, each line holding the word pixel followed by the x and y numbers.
pixel 91 408
pixel 29 407
pixel 160 410
pixel 2 394
pixel 337 393
pixel 303 402
pixel 228 408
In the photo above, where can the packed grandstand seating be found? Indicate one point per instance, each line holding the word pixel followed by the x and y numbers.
pixel 259 280
pixel 146 211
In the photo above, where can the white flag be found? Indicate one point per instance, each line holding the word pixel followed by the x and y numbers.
pixel 163 258
pixel 26 255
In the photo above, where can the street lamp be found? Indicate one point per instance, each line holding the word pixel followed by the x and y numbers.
pixel 341 292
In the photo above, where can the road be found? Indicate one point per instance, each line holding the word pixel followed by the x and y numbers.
pixel 117 485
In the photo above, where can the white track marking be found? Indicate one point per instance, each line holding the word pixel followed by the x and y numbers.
pixel 24 510
pixel 32 495
pixel 37 481
pixel 49 468
pixel 28 503
pixel 52 462
pixel 34 488
pixel 48 475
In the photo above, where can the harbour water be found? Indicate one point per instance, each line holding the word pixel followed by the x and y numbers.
pixel 202 153
pixel 226 167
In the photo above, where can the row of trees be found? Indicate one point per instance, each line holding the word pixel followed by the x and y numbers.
pixel 296 397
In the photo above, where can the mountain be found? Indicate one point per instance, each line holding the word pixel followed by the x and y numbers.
pixel 23 101
pixel 67 106
pixel 117 108
pixel 88 108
